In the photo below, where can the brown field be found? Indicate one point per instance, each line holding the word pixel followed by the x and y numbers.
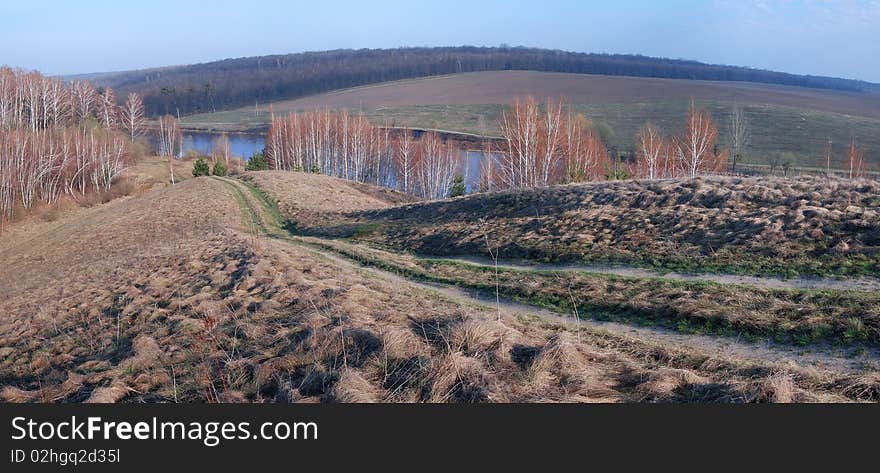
pixel 193 293
pixel 787 124
pixel 502 87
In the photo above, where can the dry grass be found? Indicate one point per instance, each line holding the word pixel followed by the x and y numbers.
pixel 317 199
pixel 164 297
pixel 149 173
pixel 153 171
pixel 785 315
pixel 744 225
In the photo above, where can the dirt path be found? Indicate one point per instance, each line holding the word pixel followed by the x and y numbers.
pixel 820 356
pixel 860 284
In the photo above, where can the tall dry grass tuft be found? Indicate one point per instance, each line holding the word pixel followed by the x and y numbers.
pixel 564 365
pixel 352 387
pixel 482 338
pixel 865 387
pixel 663 384
pixel 459 378
pixel 778 388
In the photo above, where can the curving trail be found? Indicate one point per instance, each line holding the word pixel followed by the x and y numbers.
pixel 855 284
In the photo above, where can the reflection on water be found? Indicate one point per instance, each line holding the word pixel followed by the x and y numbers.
pixel 246 144
pixel 471 171
pixel 241 145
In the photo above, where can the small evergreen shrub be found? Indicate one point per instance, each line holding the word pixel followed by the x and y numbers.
pixel 458 187
pixel 219 169
pixel 257 162
pixel 200 168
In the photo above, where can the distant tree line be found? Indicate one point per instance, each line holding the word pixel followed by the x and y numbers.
pixel 239 82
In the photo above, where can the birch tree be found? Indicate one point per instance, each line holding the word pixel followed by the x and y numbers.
pixel 107 110
pixel 82 97
pixel 519 127
pixel 584 152
pixel 132 116
pixel 649 152
pixel 739 135
pixel 220 150
pixel 696 146
pixel 855 158
pixel 435 167
pixel 404 159
pixel 169 140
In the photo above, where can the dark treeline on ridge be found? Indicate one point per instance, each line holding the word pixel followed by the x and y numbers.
pixel 232 83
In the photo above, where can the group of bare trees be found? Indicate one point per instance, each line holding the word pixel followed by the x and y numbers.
pixel 855 166
pixel 334 143
pixel 692 153
pixel 58 138
pixel 345 145
pixel 544 145
pixel 855 160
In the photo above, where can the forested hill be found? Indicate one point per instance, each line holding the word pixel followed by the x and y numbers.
pixel 232 83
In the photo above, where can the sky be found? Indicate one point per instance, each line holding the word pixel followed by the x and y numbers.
pixel 823 37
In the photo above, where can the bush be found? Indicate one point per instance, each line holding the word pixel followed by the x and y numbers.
pixel 219 169
pixel 200 168
pixel 257 162
pixel 458 187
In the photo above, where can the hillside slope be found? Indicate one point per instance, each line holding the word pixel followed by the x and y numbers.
pixel 742 225
pixel 781 119
pixel 191 293
pixel 503 87
pixel 319 199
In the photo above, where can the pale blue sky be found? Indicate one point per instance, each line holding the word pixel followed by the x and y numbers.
pixel 823 37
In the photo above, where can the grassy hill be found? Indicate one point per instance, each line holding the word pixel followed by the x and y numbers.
pixel 782 119
pixel 741 225
pixel 195 293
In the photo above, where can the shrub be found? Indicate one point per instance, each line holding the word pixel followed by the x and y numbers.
pixel 257 162
pixel 219 169
pixel 200 168
pixel 458 187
